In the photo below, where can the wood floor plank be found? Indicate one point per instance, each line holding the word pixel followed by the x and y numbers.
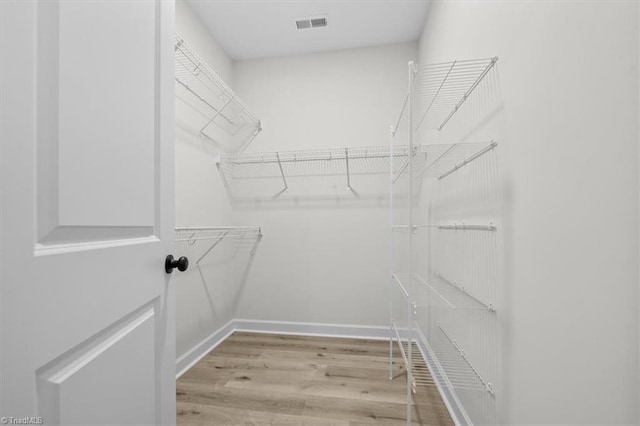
pixel 366 373
pixel 199 414
pixel 373 361
pixel 258 379
pixel 324 389
pixel 356 410
pixel 196 414
pixel 223 362
pixel 316 374
pixel 337 346
pixel 246 399
pixel 292 339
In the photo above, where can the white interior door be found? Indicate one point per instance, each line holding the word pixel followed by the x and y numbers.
pixel 87 211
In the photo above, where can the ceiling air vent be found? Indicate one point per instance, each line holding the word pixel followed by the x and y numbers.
pixel 305 23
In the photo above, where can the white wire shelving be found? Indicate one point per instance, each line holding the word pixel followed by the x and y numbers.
pixel 348 173
pixel 299 163
pixel 439 90
pixel 423 299
pixel 456 294
pixel 200 242
pixel 442 293
pixel 462 226
pixel 223 117
pixel 468 227
pixel 453 367
pixel 277 174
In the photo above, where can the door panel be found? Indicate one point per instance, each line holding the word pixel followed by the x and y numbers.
pixel 87 316
pixel 83 131
pixel 62 385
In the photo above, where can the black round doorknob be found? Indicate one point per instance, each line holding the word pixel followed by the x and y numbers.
pixel 171 263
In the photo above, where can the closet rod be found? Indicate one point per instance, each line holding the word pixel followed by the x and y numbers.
pixel 191 239
pixel 323 158
pixel 218 228
pixel 464 227
pixel 225 232
pixel 413 226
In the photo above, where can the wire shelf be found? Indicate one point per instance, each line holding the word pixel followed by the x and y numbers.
pixel 454 294
pixel 360 160
pixel 223 117
pixel 441 89
pixel 443 232
pixel 341 170
pixel 199 242
pixel 441 160
pixel 453 368
pixel 438 292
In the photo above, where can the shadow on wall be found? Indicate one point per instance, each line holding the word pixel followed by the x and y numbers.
pixel 188 119
pixel 220 263
pixel 332 178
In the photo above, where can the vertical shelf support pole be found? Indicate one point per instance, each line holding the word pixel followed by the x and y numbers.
pixel 411 73
pixel 391 135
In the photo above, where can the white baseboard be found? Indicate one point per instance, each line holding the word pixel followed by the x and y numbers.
pixel 195 354
pixel 313 329
pixel 188 360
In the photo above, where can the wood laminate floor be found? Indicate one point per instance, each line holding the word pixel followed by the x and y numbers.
pixel 258 379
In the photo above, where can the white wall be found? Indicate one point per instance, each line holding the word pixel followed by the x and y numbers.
pixel 569 76
pixel 191 28
pixel 327 264
pixel 203 303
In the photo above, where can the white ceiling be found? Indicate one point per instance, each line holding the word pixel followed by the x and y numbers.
pixel 265 28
